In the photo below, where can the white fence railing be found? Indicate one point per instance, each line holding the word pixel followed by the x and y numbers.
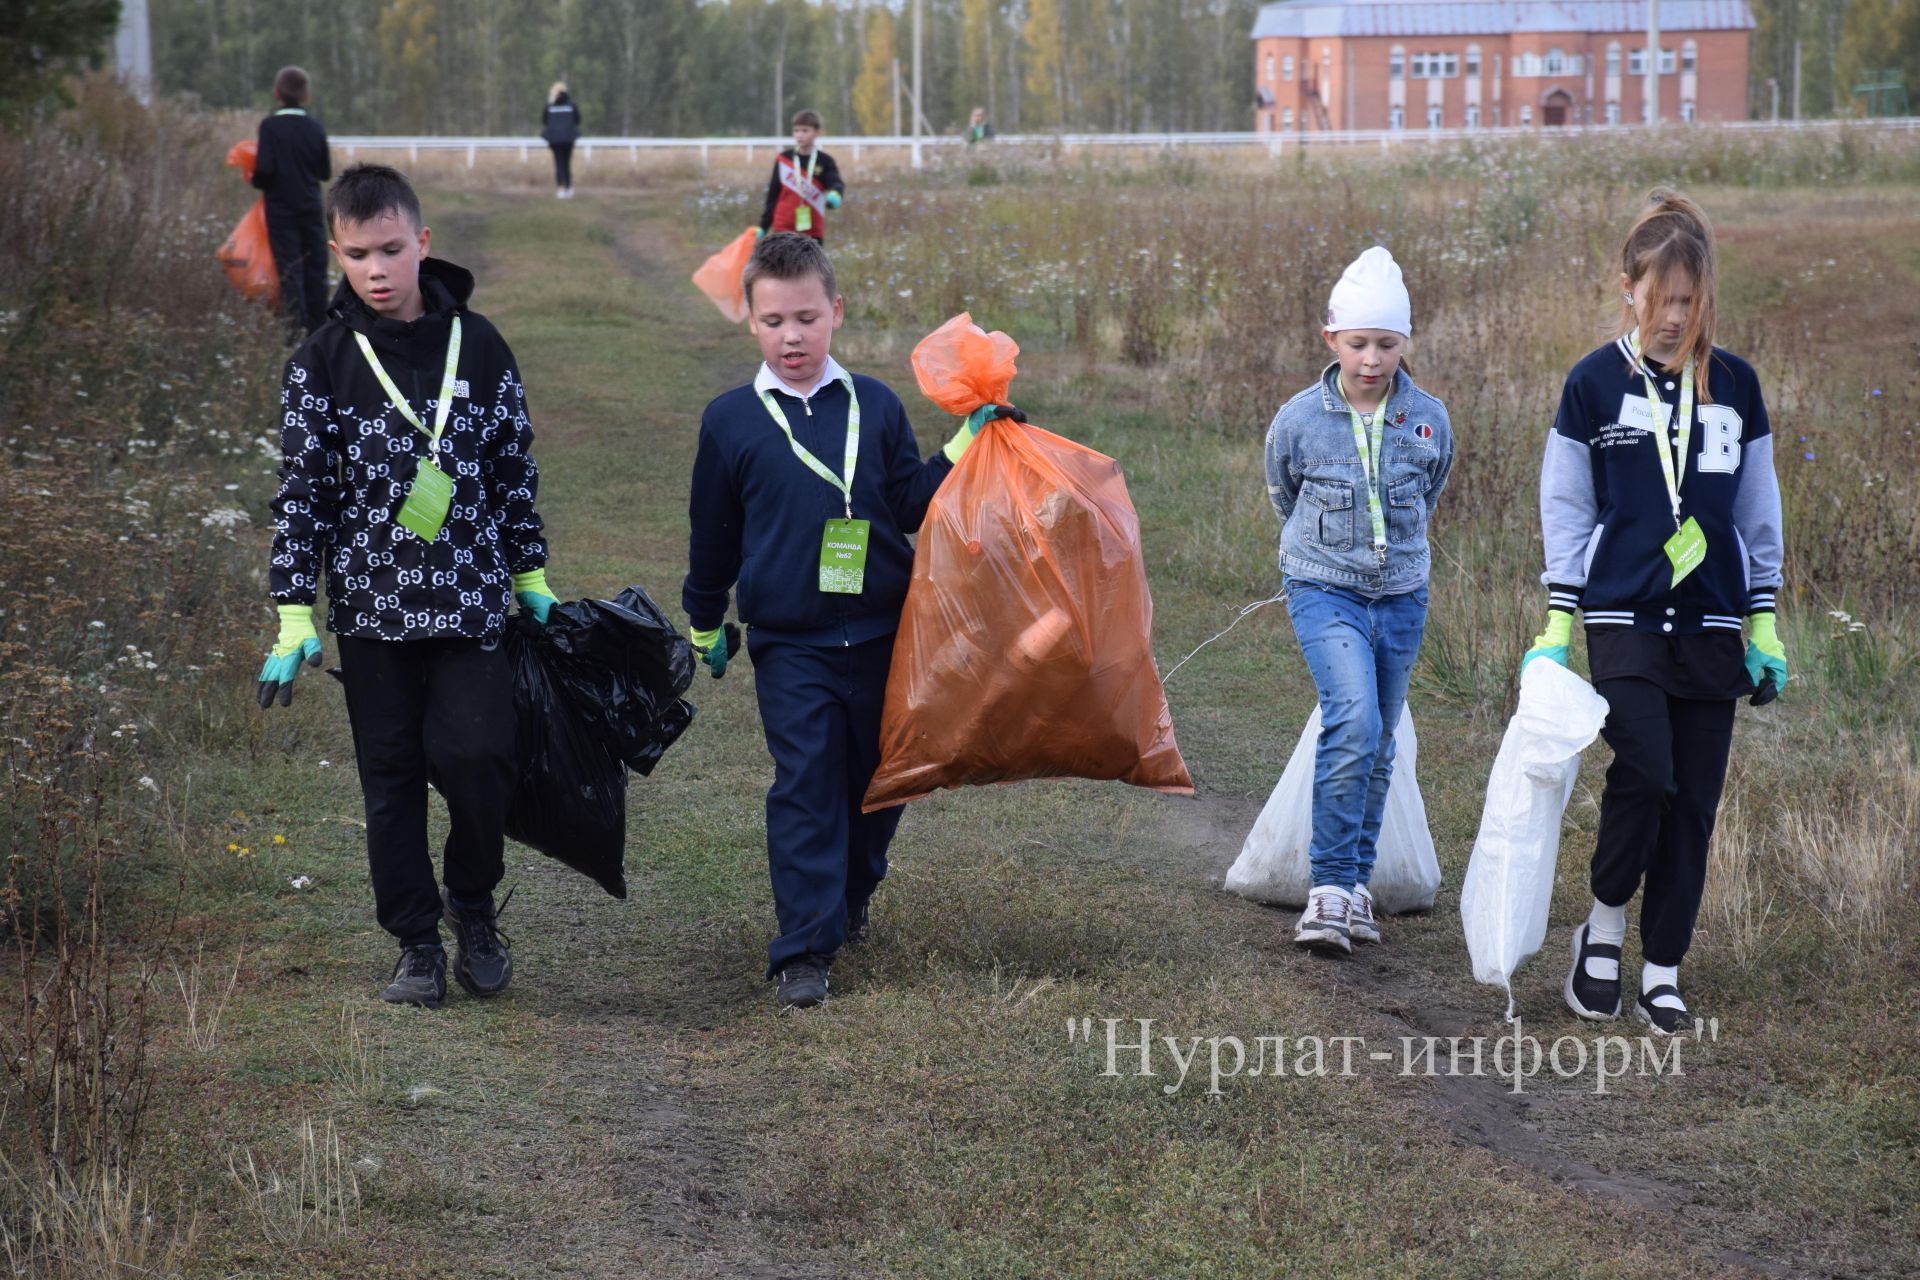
pixel 1274 143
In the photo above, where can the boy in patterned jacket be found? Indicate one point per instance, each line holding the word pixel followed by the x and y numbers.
pixel 409 478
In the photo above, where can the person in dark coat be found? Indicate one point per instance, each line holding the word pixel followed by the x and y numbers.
pixel 293 161
pixel 560 126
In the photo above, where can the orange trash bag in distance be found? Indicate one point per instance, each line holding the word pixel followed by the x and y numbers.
pixel 246 255
pixel 1025 647
pixel 719 277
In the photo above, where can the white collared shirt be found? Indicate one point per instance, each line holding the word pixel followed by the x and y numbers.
pixel 767 380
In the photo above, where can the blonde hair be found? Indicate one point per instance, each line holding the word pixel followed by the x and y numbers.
pixel 553 94
pixel 1672 236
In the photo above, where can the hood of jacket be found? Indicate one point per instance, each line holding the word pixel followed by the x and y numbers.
pixel 444 291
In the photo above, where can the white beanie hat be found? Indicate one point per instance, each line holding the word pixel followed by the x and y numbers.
pixel 1371 295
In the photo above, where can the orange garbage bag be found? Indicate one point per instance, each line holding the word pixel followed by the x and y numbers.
pixel 246 255
pixel 1025 646
pixel 719 277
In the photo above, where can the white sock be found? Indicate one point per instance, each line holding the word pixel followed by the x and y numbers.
pixel 1662 975
pixel 1607 924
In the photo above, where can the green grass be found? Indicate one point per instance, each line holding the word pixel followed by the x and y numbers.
pixel 633 1106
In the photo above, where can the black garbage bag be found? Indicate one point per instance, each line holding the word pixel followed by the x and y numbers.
pixel 571 800
pixel 623 665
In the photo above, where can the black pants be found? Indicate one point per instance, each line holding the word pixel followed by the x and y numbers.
pixel 562 164
pixel 439 707
pixel 1657 811
pixel 299 242
pixel 820 707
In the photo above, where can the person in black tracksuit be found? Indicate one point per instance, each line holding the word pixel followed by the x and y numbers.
pixel 419 618
pixel 821 652
pixel 1663 572
pixel 560 126
pixel 293 161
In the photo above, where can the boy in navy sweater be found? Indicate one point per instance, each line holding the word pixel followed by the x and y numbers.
pixel 805 487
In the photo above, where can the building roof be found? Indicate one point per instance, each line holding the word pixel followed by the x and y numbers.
pixel 1310 18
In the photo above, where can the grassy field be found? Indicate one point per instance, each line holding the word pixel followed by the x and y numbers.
pixel 634 1107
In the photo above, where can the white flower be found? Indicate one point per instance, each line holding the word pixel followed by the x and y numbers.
pixel 224 517
pixel 148 783
pixel 98 625
pixel 301 882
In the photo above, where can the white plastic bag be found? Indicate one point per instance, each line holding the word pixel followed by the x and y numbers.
pixel 1509 881
pixel 1273 864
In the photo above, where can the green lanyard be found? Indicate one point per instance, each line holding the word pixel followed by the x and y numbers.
pixel 400 401
pixel 291 111
pixel 819 468
pixel 1369 451
pixel 1673 466
pixel 813 162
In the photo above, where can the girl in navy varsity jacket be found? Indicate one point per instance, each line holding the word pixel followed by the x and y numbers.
pixel 1664 560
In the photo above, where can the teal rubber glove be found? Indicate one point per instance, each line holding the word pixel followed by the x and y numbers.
pixel 298 643
pixel 1766 656
pixel 833 200
pixel 963 438
pixel 1552 643
pixel 530 589
pixel 708 646
pixel 757 231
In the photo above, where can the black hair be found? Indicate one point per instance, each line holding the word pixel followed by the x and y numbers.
pixel 363 192
pixel 291 86
pixel 788 255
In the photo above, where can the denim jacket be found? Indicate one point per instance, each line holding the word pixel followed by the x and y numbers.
pixel 1318 486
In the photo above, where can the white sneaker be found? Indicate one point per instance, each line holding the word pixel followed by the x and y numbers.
pixel 1360 922
pixel 1323 925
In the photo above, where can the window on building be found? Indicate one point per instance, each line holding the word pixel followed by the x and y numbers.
pixel 1613 59
pixel 1473 60
pixel 1636 62
pixel 1526 64
pixel 1396 118
pixel 1433 117
pixel 1526 114
pixel 1689 57
pixel 1269 68
pixel 1686 110
pixel 1286 118
pixel 1473 115
pixel 1666 62
pixel 1286 67
pixel 1397 63
pixel 1452 67
pixel 1556 62
pixel 1613 113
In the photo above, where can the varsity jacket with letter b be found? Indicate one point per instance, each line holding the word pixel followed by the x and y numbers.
pixel 1605 514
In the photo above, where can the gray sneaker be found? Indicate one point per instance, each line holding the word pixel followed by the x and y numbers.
pixel 420 977
pixel 803 983
pixel 1361 926
pixel 1323 925
pixel 482 962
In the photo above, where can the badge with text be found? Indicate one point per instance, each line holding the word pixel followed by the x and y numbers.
pixel 843 556
pixel 428 499
pixel 1687 549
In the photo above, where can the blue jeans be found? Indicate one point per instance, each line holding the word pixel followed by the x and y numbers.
pixel 1361 653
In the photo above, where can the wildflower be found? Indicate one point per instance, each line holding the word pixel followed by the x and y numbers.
pixel 301 882
pixel 232 847
pixel 1808 455
pixel 148 783
pixel 98 625
pixel 279 839
pixel 246 853
pixel 1876 393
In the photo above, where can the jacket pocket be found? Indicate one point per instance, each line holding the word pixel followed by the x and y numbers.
pixel 1406 512
pixel 1329 513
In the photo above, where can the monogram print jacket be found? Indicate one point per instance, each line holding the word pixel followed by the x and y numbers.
pixel 350 458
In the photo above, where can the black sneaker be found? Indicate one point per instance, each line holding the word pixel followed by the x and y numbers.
pixel 1595 999
pixel 1665 1019
pixel 857 924
pixel 481 961
pixel 803 983
pixel 420 977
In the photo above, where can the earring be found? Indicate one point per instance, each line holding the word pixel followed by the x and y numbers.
pixel 1628 297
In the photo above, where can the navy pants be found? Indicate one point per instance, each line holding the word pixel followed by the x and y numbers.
pixel 820 708
pixel 298 238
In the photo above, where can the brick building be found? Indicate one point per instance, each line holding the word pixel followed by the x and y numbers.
pixel 1413 64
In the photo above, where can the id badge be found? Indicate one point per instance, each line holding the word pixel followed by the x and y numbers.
pixel 1687 549
pixel 428 499
pixel 803 218
pixel 843 556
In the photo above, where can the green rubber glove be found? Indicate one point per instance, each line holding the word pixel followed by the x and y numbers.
pixel 757 231
pixel 530 589
pixel 963 438
pixel 708 647
pixel 1552 643
pixel 1766 656
pixel 298 643
pixel 833 200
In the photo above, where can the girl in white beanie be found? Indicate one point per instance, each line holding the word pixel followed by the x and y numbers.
pixel 1355 466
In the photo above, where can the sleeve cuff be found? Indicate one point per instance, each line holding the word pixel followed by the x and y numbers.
pixel 1761 600
pixel 1563 597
